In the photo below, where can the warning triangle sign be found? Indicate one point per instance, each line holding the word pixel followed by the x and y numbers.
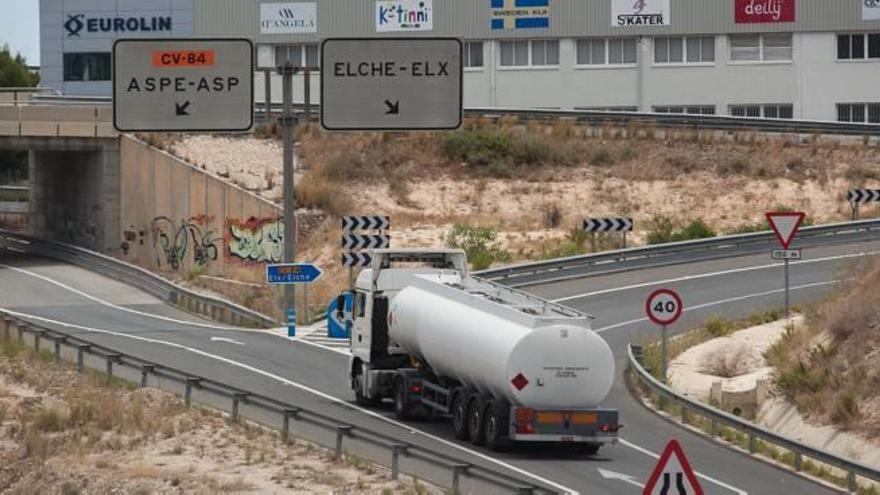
pixel 785 225
pixel 673 474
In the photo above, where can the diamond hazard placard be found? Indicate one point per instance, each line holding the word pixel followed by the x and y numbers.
pixel 519 382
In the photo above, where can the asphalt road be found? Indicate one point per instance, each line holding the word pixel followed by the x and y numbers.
pixel 117 316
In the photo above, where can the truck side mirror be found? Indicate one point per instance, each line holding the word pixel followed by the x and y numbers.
pixel 340 307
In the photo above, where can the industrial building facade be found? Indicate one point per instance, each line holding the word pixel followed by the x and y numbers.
pixel 804 59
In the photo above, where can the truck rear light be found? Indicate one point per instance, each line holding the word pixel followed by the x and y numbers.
pixel 525 428
pixel 524 415
pixel 610 428
pixel 415 389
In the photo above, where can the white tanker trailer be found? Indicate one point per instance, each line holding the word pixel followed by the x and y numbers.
pixel 506 366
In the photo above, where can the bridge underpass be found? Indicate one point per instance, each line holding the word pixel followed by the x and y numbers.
pixel 74 188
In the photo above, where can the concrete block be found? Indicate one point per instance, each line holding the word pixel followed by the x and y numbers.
pixel 39 128
pixel 9 128
pixel 7 98
pixel 9 113
pixel 105 130
pixel 76 129
pixel 84 113
pixel 39 114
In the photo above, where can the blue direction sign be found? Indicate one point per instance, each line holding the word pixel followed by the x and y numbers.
pixel 292 273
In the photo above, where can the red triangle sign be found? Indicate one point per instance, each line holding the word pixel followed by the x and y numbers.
pixel 785 225
pixel 673 474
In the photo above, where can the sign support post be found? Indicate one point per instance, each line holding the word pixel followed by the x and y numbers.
pixel 664 356
pixel 288 123
pixel 787 310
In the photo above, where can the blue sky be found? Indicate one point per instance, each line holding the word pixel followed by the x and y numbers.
pixel 20 28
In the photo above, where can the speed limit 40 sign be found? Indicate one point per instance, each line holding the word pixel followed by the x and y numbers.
pixel 664 307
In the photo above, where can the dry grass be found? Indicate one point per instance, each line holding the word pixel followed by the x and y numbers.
pixel 831 369
pixel 726 363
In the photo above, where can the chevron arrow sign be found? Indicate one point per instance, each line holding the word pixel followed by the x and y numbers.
pixel 354 241
pixel 608 224
pixel 862 196
pixel 365 223
pixel 356 259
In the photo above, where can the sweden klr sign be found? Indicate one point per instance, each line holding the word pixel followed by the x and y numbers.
pixel 201 85
pixel 388 84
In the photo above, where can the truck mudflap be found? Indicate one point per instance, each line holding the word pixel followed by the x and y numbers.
pixel 575 426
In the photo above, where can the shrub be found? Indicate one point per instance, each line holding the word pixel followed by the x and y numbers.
pixel 479 243
pixel 663 231
pixel 500 170
pixel 552 215
pixel 478 147
pixel 317 192
pixel 718 326
pixel 348 167
pixel 602 157
pixel 50 419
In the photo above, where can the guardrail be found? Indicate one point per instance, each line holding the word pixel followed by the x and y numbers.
pixel 210 307
pixel 720 418
pixel 575 267
pixel 400 456
pixel 590 117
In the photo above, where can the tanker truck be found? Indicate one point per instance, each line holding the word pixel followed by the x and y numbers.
pixel 504 366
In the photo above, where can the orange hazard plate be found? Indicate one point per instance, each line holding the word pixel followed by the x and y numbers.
pixel 184 58
pixel 575 418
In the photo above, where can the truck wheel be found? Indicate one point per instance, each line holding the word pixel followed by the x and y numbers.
pixel 359 397
pixel 402 407
pixel 497 426
pixel 459 416
pixel 476 430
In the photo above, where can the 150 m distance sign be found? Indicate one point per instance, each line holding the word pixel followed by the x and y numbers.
pixel 203 85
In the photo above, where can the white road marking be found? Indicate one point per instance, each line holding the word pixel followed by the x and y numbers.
pixel 111 305
pixel 228 341
pixel 720 302
pixel 612 475
pixel 305 388
pixel 714 481
pixel 163 318
pixel 712 274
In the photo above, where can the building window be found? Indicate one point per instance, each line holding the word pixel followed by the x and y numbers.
pixel 87 67
pixel 761 47
pixel 770 111
pixel 473 54
pixel 859 112
pixel 688 109
pixel 611 51
pixel 679 50
pixel 525 53
pixel 301 55
pixel 858 46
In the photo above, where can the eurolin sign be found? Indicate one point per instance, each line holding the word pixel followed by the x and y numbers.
pixel 77 23
pixel 764 11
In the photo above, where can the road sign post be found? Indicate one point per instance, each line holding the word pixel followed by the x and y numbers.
pixel 391 84
pixel 664 307
pixel 183 84
pixel 288 122
pixel 785 225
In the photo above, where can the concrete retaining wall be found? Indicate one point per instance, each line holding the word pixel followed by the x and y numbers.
pixel 177 218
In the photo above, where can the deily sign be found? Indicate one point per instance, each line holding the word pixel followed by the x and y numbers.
pixel 391 84
pixel 200 85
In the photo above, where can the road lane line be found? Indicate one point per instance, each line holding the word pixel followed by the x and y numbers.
pixel 111 305
pixel 166 318
pixel 714 481
pixel 305 388
pixel 721 302
pixel 712 274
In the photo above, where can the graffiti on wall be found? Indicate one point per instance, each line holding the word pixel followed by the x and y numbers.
pixel 255 240
pixel 172 241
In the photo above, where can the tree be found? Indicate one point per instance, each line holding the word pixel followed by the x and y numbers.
pixel 14 72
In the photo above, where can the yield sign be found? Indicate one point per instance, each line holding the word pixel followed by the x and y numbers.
pixel 673 474
pixel 785 226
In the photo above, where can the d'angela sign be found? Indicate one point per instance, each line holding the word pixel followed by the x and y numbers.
pixel 404 15
pixel 625 13
pixel 870 10
pixel 286 18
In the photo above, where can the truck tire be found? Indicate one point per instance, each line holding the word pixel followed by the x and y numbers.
pixel 359 397
pixel 497 425
pixel 476 420
pixel 402 407
pixel 459 415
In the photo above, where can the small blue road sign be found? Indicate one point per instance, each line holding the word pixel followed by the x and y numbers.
pixel 291 322
pixel 292 273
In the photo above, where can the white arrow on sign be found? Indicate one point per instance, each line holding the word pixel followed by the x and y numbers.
pixel 224 339
pixel 611 475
